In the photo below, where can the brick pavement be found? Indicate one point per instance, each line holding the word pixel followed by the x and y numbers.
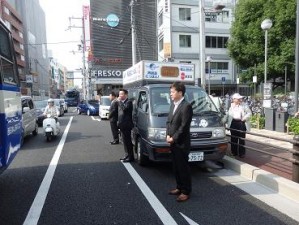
pixel 266 162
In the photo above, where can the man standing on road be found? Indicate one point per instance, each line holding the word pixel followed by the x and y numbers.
pixel 125 124
pixel 178 136
pixel 113 117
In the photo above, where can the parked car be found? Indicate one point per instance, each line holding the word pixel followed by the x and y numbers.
pixel 63 102
pixel 90 107
pixel 39 110
pixel 58 104
pixel 29 118
pixel 104 107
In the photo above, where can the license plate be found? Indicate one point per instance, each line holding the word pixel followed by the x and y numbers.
pixel 195 156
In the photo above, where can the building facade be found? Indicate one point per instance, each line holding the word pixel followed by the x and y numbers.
pixel 179 39
pixel 13 20
pixel 111 39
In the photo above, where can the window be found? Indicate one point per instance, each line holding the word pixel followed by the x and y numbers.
pixel 185 14
pixel 21 46
pixel 185 41
pixel 6 10
pixel 142 102
pixel 161 44
pixel 216 42
pixel 217 67
pixel 21 35
pixel 160 19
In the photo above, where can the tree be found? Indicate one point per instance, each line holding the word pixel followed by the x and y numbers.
pixel 247 43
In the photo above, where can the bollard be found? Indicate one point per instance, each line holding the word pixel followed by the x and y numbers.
pixel 296 157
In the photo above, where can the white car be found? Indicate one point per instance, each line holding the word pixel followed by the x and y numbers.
pixel 104 107
pixel 62 101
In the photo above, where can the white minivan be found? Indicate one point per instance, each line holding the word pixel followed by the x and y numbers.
pixel 29 117
pixel 104 107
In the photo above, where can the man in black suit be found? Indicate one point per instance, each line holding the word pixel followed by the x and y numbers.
pixel 125 124
pixel 178 136
pixel 113 117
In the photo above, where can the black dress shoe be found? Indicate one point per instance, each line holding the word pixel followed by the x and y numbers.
pixel 124 158
pixel 128 160
pixel 114 142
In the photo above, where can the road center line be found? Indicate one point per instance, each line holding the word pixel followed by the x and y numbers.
pixel 163 214
pixel 39 200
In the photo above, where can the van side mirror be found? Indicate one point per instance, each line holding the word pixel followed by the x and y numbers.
pixel 145 107
pixel 26 109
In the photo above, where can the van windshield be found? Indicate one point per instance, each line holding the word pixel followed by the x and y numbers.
pixel 201 103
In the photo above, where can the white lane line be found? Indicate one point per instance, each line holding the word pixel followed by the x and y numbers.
pixel 262 193
pixel 163 214
pixel 39 200
pixel 95 119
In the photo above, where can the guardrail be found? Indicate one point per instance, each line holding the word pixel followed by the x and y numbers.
pixel 295 151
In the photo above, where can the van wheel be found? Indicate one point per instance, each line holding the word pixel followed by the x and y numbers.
pixel 35 132
pixel 142 160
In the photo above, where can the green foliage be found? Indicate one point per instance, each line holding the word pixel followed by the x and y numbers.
pixel 293 123
pixel 247 43
pixel 257 121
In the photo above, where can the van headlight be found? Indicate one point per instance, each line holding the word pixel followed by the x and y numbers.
pixel 217 133
pixel 157 134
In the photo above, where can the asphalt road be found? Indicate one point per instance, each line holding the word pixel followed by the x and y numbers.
pixel 82 181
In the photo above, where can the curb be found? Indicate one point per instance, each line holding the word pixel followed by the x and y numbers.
pixel 282 186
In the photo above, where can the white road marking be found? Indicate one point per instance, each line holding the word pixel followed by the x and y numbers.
pixel 191 222
pixel 92 117
pixel 271 198
pixel 39 200
pixel 163 214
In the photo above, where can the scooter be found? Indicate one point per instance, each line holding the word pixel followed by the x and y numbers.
pixel 51 127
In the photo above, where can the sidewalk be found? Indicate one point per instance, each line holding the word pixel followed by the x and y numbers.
pixel 270 171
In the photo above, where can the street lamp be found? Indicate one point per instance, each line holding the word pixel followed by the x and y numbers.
pixel 266 25
pixel 209 59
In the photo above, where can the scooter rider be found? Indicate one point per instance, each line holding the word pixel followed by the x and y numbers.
pixel 51 109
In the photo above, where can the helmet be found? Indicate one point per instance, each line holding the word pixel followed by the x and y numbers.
pixel 50 100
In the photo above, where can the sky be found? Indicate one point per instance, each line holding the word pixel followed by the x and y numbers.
pixel 57 14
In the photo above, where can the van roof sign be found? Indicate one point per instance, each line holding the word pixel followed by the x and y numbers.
pixel 159 71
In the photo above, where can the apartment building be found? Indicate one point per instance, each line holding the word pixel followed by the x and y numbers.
pixel 14 22
pixel 179 39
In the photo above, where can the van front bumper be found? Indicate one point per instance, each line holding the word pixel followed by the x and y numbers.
pixel 160 151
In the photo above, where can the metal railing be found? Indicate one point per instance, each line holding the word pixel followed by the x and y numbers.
pixel 295 150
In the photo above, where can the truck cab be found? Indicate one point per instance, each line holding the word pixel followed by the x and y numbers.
pixel 151 107
pixel 148 83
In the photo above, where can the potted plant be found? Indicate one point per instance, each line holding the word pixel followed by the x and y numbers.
pixel 293 123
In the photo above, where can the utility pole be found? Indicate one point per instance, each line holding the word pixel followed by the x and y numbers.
pixel 84 86
pixel 133 32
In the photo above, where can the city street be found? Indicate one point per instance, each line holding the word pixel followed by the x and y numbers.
pixel 78 178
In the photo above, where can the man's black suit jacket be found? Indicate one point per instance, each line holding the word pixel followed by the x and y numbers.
pixel 125 110
pixel 178 125
pixel 113 111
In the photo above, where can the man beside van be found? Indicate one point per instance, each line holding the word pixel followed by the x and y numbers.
pixel 178 136
pixel 125 124
pixel 113 117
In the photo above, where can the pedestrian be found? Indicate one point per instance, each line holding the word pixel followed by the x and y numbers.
pixel 51 109
pixel 178 136
pixel 238 120
pixel 125 124
pixel 113 117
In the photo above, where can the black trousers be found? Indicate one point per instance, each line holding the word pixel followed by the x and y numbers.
pixel 237 144
pixel 181 169
pixel 114 130
pixel 127 141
